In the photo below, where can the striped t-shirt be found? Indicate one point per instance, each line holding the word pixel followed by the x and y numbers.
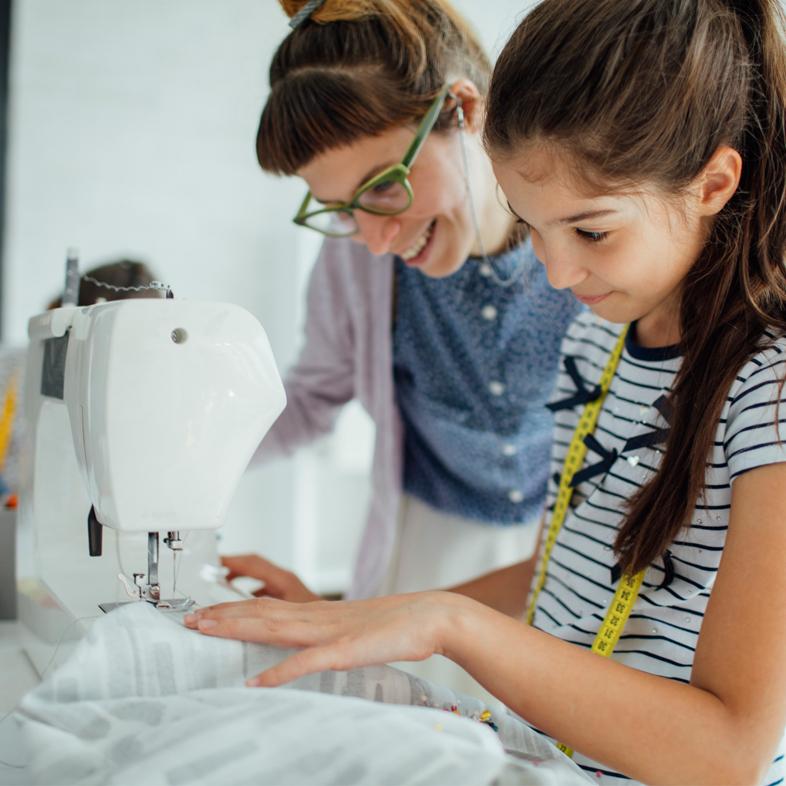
pixel 663 629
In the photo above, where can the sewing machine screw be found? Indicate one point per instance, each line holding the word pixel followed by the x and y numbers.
pixel 173 541
pixel 179 335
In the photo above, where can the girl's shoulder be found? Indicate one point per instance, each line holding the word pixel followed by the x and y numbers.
pixel 752 428
pixel 766 366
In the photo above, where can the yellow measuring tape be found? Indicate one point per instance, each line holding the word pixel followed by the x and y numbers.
pixel 7 420
pixel 620 607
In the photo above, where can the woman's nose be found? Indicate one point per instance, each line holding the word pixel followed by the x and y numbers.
pixel 377 232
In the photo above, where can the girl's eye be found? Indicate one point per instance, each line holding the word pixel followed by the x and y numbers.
pixel 592 237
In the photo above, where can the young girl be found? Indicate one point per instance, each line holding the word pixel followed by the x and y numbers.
pixel 426 302
pixel 644 145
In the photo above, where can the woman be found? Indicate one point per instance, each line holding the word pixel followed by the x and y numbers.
pixel 426 303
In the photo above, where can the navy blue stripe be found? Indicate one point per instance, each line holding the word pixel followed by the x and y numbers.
pixel 547 591
pixel 748 390
pixel 652 655
pixel 676 610
pixel 604 587
pixel 580 517
pixel 769 424
pixel 762 367
pixel 759 446
pixel 658 621
pixel 582 555
pixel 694 564
pixel 573 591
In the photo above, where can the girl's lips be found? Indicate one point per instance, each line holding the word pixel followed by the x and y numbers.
pixel 591 300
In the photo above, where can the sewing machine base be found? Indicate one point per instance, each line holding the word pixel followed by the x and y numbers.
pixel 172 604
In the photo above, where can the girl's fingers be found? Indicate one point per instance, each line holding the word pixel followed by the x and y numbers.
pixel 308 661
pixel 289 631
pixel 237 608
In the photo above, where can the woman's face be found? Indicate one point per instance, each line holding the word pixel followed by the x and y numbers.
pixel 435 234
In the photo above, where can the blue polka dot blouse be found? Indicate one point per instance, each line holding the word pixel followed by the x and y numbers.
pixel 474 365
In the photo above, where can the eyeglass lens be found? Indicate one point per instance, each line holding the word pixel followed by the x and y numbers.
pixel 388 196
pixel 333 222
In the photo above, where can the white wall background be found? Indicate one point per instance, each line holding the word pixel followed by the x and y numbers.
pixel 131 129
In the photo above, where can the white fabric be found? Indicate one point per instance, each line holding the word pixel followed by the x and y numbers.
pixel 144 700
pixel 436 549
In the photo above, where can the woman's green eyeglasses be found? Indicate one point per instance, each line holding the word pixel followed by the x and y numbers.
pixel 385 194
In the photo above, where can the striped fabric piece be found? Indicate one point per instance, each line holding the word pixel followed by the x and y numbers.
pixel 663 629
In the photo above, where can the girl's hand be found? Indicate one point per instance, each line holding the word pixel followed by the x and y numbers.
pixel 279 583
pixel 333 634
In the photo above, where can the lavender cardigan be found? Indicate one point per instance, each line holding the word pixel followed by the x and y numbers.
pixel 347 354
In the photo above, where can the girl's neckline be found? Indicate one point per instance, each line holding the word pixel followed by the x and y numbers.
pixel 635 350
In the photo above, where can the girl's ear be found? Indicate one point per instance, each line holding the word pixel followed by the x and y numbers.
pixel 471 103
pixel 718 181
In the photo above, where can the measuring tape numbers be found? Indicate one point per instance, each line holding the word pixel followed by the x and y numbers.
pixel 628 589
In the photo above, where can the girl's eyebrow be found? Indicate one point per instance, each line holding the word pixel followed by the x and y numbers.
pixel 582 216
pixel 568 219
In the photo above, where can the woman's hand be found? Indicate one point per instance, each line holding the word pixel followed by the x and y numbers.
pixel 334 634
pixel 279 583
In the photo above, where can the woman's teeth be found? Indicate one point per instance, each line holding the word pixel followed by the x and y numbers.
pixel 419 244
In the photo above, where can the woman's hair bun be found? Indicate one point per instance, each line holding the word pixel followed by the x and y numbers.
pixel 333 10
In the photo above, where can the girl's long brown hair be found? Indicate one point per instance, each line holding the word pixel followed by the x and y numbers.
pixel 644 91
pixel 360 67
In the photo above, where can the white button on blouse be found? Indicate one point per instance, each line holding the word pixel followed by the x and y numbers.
pixel 496 388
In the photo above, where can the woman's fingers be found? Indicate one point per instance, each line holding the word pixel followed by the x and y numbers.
pixel 251 565
pixel 279 582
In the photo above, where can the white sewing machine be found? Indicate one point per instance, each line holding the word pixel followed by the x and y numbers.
pixel 141 418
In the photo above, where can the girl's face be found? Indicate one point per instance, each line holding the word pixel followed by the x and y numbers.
pixel 624 256
pixel 435 234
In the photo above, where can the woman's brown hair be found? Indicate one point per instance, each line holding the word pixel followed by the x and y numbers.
pixel 645 91
pixel 360 67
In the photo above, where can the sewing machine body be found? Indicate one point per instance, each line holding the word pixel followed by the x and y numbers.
pixel 146 411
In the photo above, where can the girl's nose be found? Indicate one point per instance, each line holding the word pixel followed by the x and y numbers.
pixel 562 271
pixel 377 232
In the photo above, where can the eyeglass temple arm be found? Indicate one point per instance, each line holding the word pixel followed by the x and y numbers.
pixel 426 124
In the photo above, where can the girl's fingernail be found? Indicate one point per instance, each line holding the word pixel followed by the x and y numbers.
pixel 207 624
pixel 190 619
pixel 252 682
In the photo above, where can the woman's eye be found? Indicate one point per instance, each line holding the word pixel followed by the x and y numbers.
pixel 592 237
pixel 381 188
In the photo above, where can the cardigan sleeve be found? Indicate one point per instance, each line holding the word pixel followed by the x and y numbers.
pixel 322 379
